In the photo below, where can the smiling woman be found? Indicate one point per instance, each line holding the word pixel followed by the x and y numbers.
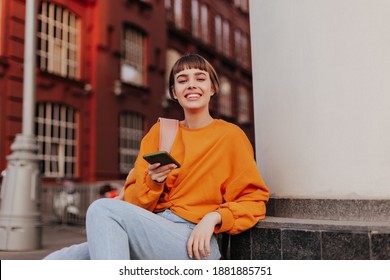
pixel 192 82
pixel 171 212
pixel 193 91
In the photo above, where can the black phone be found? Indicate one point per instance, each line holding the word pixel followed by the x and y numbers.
pixel 162 157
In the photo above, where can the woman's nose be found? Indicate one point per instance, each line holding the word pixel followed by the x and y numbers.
pixel 191 83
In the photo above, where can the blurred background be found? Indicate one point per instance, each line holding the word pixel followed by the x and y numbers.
pixel 101 83
pixel 79 90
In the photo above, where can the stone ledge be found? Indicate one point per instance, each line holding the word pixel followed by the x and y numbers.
pixel 330 209
pixel 316 224
pixel 278 238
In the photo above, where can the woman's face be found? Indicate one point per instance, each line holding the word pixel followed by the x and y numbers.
pixel 193 89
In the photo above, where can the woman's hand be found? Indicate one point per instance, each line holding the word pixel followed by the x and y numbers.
pixel 121 194
pixel 159 173
pixel 199 242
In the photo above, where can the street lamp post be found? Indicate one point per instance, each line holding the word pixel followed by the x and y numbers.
pixel 20 219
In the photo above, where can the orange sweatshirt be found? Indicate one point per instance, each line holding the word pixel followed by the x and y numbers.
pixel 218 173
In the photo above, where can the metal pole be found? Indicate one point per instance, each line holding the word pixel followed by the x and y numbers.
pixel 20 219
pixel 29 68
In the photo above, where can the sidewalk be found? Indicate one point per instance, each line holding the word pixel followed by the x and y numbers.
pixel 53 237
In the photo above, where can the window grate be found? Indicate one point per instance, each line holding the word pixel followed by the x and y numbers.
pixel 131 131
pixel 132 69
pixel 56 130
pixel 58 41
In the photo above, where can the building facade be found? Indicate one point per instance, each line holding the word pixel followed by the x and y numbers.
pixel 101 76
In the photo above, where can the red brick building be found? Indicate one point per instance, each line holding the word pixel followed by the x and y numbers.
pixel 102 71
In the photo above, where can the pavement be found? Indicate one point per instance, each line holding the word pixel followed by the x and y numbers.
pixel 54 237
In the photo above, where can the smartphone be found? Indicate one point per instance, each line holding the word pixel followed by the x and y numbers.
pixel 162 157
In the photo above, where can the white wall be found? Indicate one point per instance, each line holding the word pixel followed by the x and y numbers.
pixel 321 72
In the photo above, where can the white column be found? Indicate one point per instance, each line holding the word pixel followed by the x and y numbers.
pixel 321 72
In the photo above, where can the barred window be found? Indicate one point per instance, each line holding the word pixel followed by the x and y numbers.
pixel 58 41
pixel 132 66
pixel 131 131
pixel 56 128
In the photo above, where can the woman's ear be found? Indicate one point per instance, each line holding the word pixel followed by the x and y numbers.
pixel 212 91
pixel 173 93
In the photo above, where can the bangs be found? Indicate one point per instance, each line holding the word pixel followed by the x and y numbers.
pixel 189 62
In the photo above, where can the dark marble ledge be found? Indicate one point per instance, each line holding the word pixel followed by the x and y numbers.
pixel 366 210
pixel 324 225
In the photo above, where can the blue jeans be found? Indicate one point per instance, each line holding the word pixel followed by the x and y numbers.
pixel 118 230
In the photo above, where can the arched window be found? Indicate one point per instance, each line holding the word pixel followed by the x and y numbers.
pixel 56 127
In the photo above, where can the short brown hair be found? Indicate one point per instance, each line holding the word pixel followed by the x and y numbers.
pixel 193 61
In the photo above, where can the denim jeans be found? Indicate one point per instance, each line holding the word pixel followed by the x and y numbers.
pixel 118 230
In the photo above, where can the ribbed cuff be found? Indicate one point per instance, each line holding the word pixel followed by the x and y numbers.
pixel 227 220
pixel 153 185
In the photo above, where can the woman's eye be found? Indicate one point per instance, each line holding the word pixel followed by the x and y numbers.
pixel 181 81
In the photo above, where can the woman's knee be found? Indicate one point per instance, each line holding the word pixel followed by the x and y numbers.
pixel 109 207
pixel 98 207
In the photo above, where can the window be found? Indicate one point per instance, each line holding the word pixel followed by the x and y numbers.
pixel 243 105
pixel 132 65
pixel 204 19
pixel 242 4
pixel 131 131
pixel 58 41
pixel 168 10
pixel 241 47
pixel 237 44
pixel 56 129
pixel 245 50
pixel 226 37
pixel 195 17
pixel 225 97
pixel 218 32
pixel 172 56
pixel 178 13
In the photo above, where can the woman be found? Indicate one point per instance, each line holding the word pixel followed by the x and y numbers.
pixel 175 213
